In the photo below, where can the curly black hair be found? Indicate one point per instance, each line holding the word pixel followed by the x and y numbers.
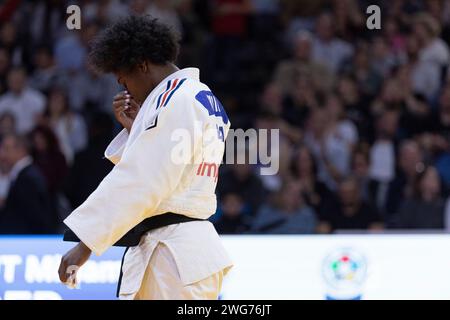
pixel 131 41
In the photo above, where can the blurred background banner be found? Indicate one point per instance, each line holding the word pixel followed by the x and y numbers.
pixel 29 270
pixel 355 266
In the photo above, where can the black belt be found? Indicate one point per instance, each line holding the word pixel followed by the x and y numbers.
pixel 133 237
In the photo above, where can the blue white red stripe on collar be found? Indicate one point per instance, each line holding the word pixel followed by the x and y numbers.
pixel 171 88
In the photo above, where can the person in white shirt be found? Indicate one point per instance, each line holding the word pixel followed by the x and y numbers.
pixel 24 103
pixel 328 49
pixel 152 184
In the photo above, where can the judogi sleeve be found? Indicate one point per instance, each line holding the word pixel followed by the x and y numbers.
pixel 145 175
pixel 115 149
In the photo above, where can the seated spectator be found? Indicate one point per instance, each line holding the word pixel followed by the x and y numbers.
pixel 243 181
pixel 287 215
pixel 330 148
pixel 7 124
pixel 24 103
pixel 304 168
pixel 48 157
pixel 410 164
pixel 302 62
pixel 166 13
pixel 301 102
pixel 425 209
pixel 46 75
pixel 350 211
pixel 424 75
pixel 360 170
pixel 384 58
pixel 27 207
pixel 355 106
pixel 382 155
pixel 367 78
pixel 432 48
pixel 328 49
pixel 68 126
pixel 343 127
pixel 233 219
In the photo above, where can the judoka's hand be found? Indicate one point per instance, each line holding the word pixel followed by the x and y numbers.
pixel 125 109
pixel 77 256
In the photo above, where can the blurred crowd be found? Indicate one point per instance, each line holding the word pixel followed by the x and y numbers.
pixel 364 115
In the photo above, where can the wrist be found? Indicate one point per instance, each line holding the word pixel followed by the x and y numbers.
pixel 84 248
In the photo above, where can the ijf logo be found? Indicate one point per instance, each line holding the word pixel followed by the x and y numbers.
pixel 344 271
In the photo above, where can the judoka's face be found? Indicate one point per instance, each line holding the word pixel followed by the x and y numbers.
pixel 128 81
pixel 138 82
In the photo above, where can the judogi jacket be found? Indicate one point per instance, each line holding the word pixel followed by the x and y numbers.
pixel 169 162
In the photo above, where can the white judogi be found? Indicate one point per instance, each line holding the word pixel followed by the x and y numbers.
pixel 181 261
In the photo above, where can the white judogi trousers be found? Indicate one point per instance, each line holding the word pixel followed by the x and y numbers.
pixel 170 263
pixel 162 281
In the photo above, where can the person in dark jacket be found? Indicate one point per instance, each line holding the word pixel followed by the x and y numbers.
pixel 27 207
pixel 425 209
pixel 232 220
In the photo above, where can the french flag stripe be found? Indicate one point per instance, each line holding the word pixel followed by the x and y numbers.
pixel 174 84
pixel 160 96
pixel 173 91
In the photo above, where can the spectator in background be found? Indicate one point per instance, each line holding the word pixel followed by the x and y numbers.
pixel 233 219
pixel 68 126
pixel 302 63
pixel 301 101
pixel 287 215
pixel 361 171
pixel 350 211
pixel 48 157
pixel 90 166
pixel 355 106
pixel 396 40
pixel 243 181
pixel 26 104
pixel 314 192
pixel 281 159
pixel 165 11
pixel 382 58
pixel 46 75
pixel 229 25
pixel 105 11
pixel 331 149
pixel 45 20
pixel 424 74
pixel 348 18
pixel 328 49
pixel 27 207
pixel 11 42
pixel 425 209
pixel 343 128
pixel 5 65
pixel 90 92
pixel 70 50
pixel 410 165
pixel 439 139
pixel 361 69
pixel 7 124
pixel 433 49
